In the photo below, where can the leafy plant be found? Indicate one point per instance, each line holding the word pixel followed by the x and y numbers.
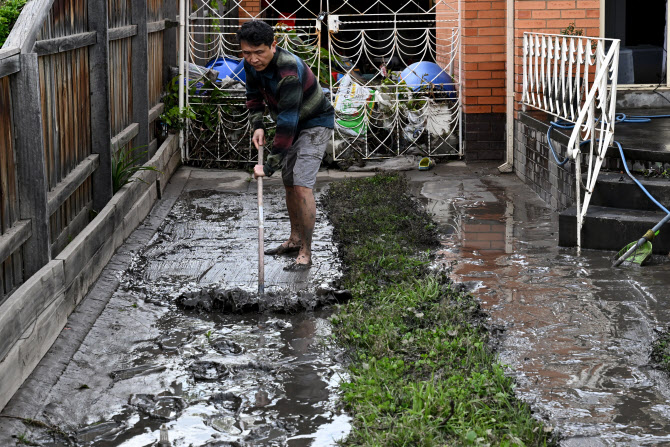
pixel 125 163
pixel 175 118
pixel 572 30
pixel 9 12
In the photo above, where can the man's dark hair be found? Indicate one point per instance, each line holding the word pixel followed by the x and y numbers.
pixel 256 32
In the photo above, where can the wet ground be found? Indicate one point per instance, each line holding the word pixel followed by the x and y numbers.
pixel 186 342
pixel 177 336
pixel 577 332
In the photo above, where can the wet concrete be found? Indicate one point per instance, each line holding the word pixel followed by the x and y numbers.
pixel 577 333
pixel 177 336
pixel 186 341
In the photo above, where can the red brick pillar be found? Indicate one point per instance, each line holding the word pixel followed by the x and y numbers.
pixel 248 10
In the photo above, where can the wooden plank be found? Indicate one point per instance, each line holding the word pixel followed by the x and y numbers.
pixel 31 168
pixel 140 80
pixel 76 225
pixel 28 25
pixel 67 43
pixel 71 182
pixel 122 32
pixel 154 27
pixel 100 133
pixel 13 239
pixel 6 53
pixel 9 66
pixel 156 111
pixel 39 308
pixel 124 137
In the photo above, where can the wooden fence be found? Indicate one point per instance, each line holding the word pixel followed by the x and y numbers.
pixel 79 81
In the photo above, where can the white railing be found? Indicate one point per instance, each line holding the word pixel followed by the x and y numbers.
pixel 574 78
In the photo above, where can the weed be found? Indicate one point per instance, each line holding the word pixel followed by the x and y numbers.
pixel 83 386
pixel 23 439
pixel 421 371
pixel 125 163
pixel 660 351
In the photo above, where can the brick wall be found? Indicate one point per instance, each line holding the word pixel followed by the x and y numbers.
pixel 550 16
pixel 249 9
pixel 484 60
pixel 535 165
pixel 484 79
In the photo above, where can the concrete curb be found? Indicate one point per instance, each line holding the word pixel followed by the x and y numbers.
pixel 35 314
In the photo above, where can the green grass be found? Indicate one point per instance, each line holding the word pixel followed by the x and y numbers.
pixel 421 370
pixel 660 351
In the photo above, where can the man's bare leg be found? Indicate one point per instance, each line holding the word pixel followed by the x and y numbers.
pixel 306 216
pixel 293 206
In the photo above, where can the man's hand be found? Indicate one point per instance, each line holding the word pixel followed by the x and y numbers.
pixel 258 171
pixel 259 138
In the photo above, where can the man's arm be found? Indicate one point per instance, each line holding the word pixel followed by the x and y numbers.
pixel 289 90
pixel 255 102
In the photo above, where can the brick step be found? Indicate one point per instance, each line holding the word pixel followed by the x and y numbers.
pixel 617 190
pixel 612 228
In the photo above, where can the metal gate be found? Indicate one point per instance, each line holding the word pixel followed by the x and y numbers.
pixel 392 71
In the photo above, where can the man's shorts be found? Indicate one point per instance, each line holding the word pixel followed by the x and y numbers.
pixel 303 159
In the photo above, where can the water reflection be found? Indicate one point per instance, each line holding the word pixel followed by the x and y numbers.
pixel 577 332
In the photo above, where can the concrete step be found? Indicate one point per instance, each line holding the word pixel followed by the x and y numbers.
pixel 612 228
pixel 617 190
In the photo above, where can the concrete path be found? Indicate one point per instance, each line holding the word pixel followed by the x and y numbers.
pixel 130 359
pixel 574 331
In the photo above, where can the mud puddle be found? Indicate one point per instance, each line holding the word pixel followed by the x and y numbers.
pixel 186 343
pixel 577 333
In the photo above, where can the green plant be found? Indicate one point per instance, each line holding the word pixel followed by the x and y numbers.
pixel 175 118
pixel 125 165
pixel 9 12
pixel 23 439
pixel 572 30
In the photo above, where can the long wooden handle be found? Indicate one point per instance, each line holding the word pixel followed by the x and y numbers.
pixel 261 264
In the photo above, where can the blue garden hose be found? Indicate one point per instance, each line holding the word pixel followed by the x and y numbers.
pixel 620 118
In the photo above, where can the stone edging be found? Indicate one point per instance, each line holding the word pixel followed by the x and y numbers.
pixel 33 316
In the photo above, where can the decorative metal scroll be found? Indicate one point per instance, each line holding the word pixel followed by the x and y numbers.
pixel 379 113
pixel 574 79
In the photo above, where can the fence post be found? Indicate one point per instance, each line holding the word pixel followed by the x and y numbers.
pixel 101 133
pixel 140 75
pixel 170 41
pixel 30 162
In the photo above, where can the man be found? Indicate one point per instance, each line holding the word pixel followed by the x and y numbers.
pixel 283 82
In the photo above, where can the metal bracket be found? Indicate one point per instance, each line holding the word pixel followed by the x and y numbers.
pixel 333 23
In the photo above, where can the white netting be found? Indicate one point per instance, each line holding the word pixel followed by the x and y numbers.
pixel 405 59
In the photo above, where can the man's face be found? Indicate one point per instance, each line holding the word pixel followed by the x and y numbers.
pixel 259 56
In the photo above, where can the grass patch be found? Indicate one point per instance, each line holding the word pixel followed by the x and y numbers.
pixel 421 371
pixel 660 351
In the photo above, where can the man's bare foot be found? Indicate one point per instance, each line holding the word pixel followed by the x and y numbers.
pixel 302 262
pixel 287 247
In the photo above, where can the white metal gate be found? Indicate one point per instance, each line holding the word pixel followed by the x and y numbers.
pixel 378 62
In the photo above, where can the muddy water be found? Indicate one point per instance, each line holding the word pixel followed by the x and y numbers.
pixel 249 371
pixel 577 333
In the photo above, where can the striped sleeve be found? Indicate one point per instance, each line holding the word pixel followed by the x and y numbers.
pixel 255 102
pixel 290 97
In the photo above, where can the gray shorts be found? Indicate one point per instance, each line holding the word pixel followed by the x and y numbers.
pixel 303 159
